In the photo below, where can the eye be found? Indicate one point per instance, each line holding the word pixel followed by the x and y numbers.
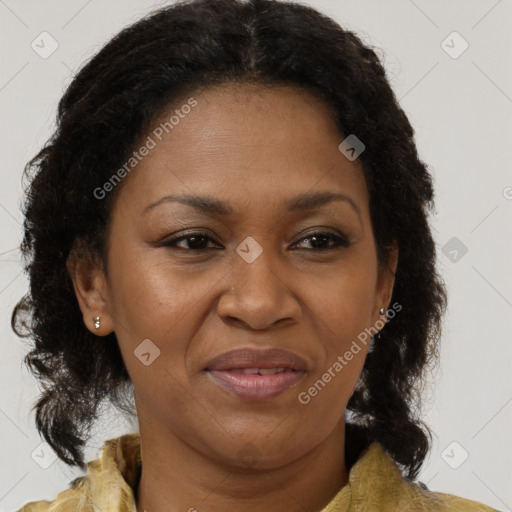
pixel 319 239
pixel 199 241
pixel 193 241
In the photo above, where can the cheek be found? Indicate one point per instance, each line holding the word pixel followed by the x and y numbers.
pixel 343 314
pixel 328 389
pixel 152 302
pixel 150 297
pixel 344 305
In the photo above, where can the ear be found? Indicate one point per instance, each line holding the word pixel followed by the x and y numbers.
pixel 90 285
pixel 385 282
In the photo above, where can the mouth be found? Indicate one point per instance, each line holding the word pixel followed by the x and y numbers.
pixel 259 371
pixel 257 374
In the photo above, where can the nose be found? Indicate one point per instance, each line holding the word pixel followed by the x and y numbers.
pixel 259 296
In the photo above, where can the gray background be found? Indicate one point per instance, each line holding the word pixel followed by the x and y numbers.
pixel 460 107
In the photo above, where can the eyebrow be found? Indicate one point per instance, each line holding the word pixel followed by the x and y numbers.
pixel 211 205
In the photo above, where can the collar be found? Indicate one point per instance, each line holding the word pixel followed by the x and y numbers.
pixel 375 483
pixel 374 478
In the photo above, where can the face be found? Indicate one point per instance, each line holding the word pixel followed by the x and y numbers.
pixel 253 273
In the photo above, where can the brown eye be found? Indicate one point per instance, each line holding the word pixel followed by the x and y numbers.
pixel 193 241
pixel 320 241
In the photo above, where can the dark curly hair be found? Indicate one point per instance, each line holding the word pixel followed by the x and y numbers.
pixel 110 105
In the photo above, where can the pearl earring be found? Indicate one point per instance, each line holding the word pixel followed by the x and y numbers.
pixel 96 322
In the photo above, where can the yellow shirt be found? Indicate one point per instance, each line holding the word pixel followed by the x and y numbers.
pixel 375 485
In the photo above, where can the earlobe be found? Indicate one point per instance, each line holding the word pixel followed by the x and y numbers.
pixel 90 288
pixel 386 279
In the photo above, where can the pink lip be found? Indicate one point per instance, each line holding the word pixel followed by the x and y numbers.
pixel 256 387
pixel 226 370
pixel 257 358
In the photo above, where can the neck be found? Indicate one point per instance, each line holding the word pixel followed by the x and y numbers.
pixel 177 477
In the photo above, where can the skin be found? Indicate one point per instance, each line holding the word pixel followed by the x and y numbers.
pixel 252 148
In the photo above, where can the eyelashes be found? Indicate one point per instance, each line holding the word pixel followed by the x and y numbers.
pixel 198 241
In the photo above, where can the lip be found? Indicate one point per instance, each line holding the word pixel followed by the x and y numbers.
pixel 257 358
pixel 226 370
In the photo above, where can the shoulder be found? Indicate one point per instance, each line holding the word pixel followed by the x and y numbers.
pixel 108 484
pixel 413 498
pixel 452 503
pixel 71 499
pixel 376 481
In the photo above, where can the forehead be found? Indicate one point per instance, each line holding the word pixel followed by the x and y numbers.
pixel 246 143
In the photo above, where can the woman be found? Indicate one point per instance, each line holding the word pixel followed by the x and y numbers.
pixel 232 218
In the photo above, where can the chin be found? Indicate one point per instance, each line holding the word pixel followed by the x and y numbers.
pixel 266 449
